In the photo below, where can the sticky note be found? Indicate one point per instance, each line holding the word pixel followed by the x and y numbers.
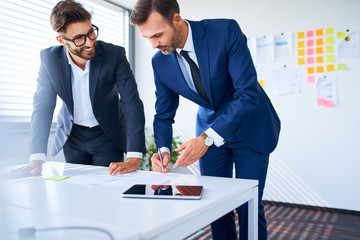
pixel 319 50
pixel 310 60
pixel 329 31
pixel 330 68
pixel 319 41
pixel 330 49
pixel 320 101
pixel 341 35
pixel 301 35
pixel 310 43
pixel 329 103
pixel 310 51
pixel 329 40
pixel 311 79
pixel 57 178
pixel 320 59
pixel 310 70
pixel 319 32
pixel 301 61
pixel 262 83
pixel 341 66
pixel 301 52
pixel 301 44
pixel 320 69
pixel 330 58
pixel 309 33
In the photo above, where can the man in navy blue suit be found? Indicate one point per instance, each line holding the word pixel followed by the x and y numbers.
pixel 94 126
pixel 209 63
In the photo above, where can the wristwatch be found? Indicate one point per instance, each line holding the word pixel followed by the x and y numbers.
pixel 208 141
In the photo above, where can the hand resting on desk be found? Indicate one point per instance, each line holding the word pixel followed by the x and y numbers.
pixel 34 168
pixel 130 165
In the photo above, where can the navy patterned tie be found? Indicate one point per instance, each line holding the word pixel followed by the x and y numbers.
pixel 195 73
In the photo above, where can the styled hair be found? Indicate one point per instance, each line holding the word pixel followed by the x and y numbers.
pixel 65 12
pixel 143 9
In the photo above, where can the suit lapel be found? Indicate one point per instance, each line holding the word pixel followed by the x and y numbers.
pixel 202 55
pixel 65 79
pixel 95 69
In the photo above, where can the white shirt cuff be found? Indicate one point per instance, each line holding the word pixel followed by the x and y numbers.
pixel 134 155
pixel 37 156
pixel 218 140
pixel 165 149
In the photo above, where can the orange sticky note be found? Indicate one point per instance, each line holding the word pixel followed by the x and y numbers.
pixel 330 58
pixel 330 68
pixel 319 50
pixel 329 30
pixel 320 69
pixel 301 61
pixel 320 59
pixel 301 44
pixel 311 79
pixel 329 40
pixel 319 32
pixel 310 70
pixel 301 52
pixel 319 41
pixel 330 49
pixel 301 35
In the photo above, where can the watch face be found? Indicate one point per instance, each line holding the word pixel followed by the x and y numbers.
pixel 209 141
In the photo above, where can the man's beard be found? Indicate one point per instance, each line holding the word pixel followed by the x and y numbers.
pixel 79 52
pixel 174 43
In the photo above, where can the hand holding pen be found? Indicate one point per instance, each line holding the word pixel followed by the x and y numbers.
pixel 159 161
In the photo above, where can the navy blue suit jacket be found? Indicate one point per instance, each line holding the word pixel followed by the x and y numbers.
pixel 122 119
pixel 239 109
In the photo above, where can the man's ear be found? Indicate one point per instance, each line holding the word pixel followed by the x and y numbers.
pixel 60 40
pixel 177 20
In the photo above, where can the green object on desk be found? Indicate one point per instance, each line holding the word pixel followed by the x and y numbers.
pixel 57 178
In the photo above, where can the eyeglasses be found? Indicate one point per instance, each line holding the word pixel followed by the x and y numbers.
pixel 81 39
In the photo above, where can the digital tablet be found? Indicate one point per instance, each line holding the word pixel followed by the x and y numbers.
pixel 164 191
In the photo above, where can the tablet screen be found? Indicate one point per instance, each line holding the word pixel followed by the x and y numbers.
pixel 164 191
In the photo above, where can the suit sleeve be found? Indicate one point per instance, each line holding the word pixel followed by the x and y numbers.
pixel 242 71
pixel 167 102
pixel 44 103
pixel 132 105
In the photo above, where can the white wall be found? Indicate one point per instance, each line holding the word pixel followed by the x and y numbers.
pixel 317 159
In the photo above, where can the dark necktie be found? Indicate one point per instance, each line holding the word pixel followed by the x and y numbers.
pixel 195 73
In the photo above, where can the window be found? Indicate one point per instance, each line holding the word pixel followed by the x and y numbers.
pixel 25 30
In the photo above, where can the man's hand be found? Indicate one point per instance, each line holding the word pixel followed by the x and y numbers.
pixel 34 168
pixel 193 150
pixel 130 165
pixel 156 164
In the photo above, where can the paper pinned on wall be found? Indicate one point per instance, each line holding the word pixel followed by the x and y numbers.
pixel 348 44
pixel 283 46
pixel 285 80
pixel 265 49
pixel 326 91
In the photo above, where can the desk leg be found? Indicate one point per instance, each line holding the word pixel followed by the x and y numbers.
pixel 253 216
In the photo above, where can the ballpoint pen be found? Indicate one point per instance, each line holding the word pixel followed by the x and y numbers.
pixel 161 160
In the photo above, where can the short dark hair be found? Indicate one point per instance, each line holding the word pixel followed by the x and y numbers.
pixel 143 9
pixel 65 12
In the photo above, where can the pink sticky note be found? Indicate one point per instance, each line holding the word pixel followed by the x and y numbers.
pixel 310 43
pixel 310 60
pixel 311 79
pixel 310 51
pixel 321 101
pixel 309 33
pixel 329 104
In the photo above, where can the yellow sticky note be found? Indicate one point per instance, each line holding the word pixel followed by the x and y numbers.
pixel 57 178
pixel 330 58
pixel 330 68
pixel 310 70
pixel 301 52
pixel 329 30
pixel 319 50
pixel 329 40
pixel 330 49
pixel 261 82
pixel 320 59
pixel 319 32
pixel 341 66
pixel 301 44
pixel 320 69
pixel 301 61
pixel 319 41
pixel 301 35
pixel 341 35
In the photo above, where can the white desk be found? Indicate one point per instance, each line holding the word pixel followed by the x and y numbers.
pixel 103 206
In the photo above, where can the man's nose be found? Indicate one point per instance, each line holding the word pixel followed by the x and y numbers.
pixel 154 44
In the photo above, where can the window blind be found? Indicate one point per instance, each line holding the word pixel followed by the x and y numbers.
pixel 25 30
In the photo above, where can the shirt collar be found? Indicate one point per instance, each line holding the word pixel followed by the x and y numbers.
pixel 189 44
pixel 74 66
